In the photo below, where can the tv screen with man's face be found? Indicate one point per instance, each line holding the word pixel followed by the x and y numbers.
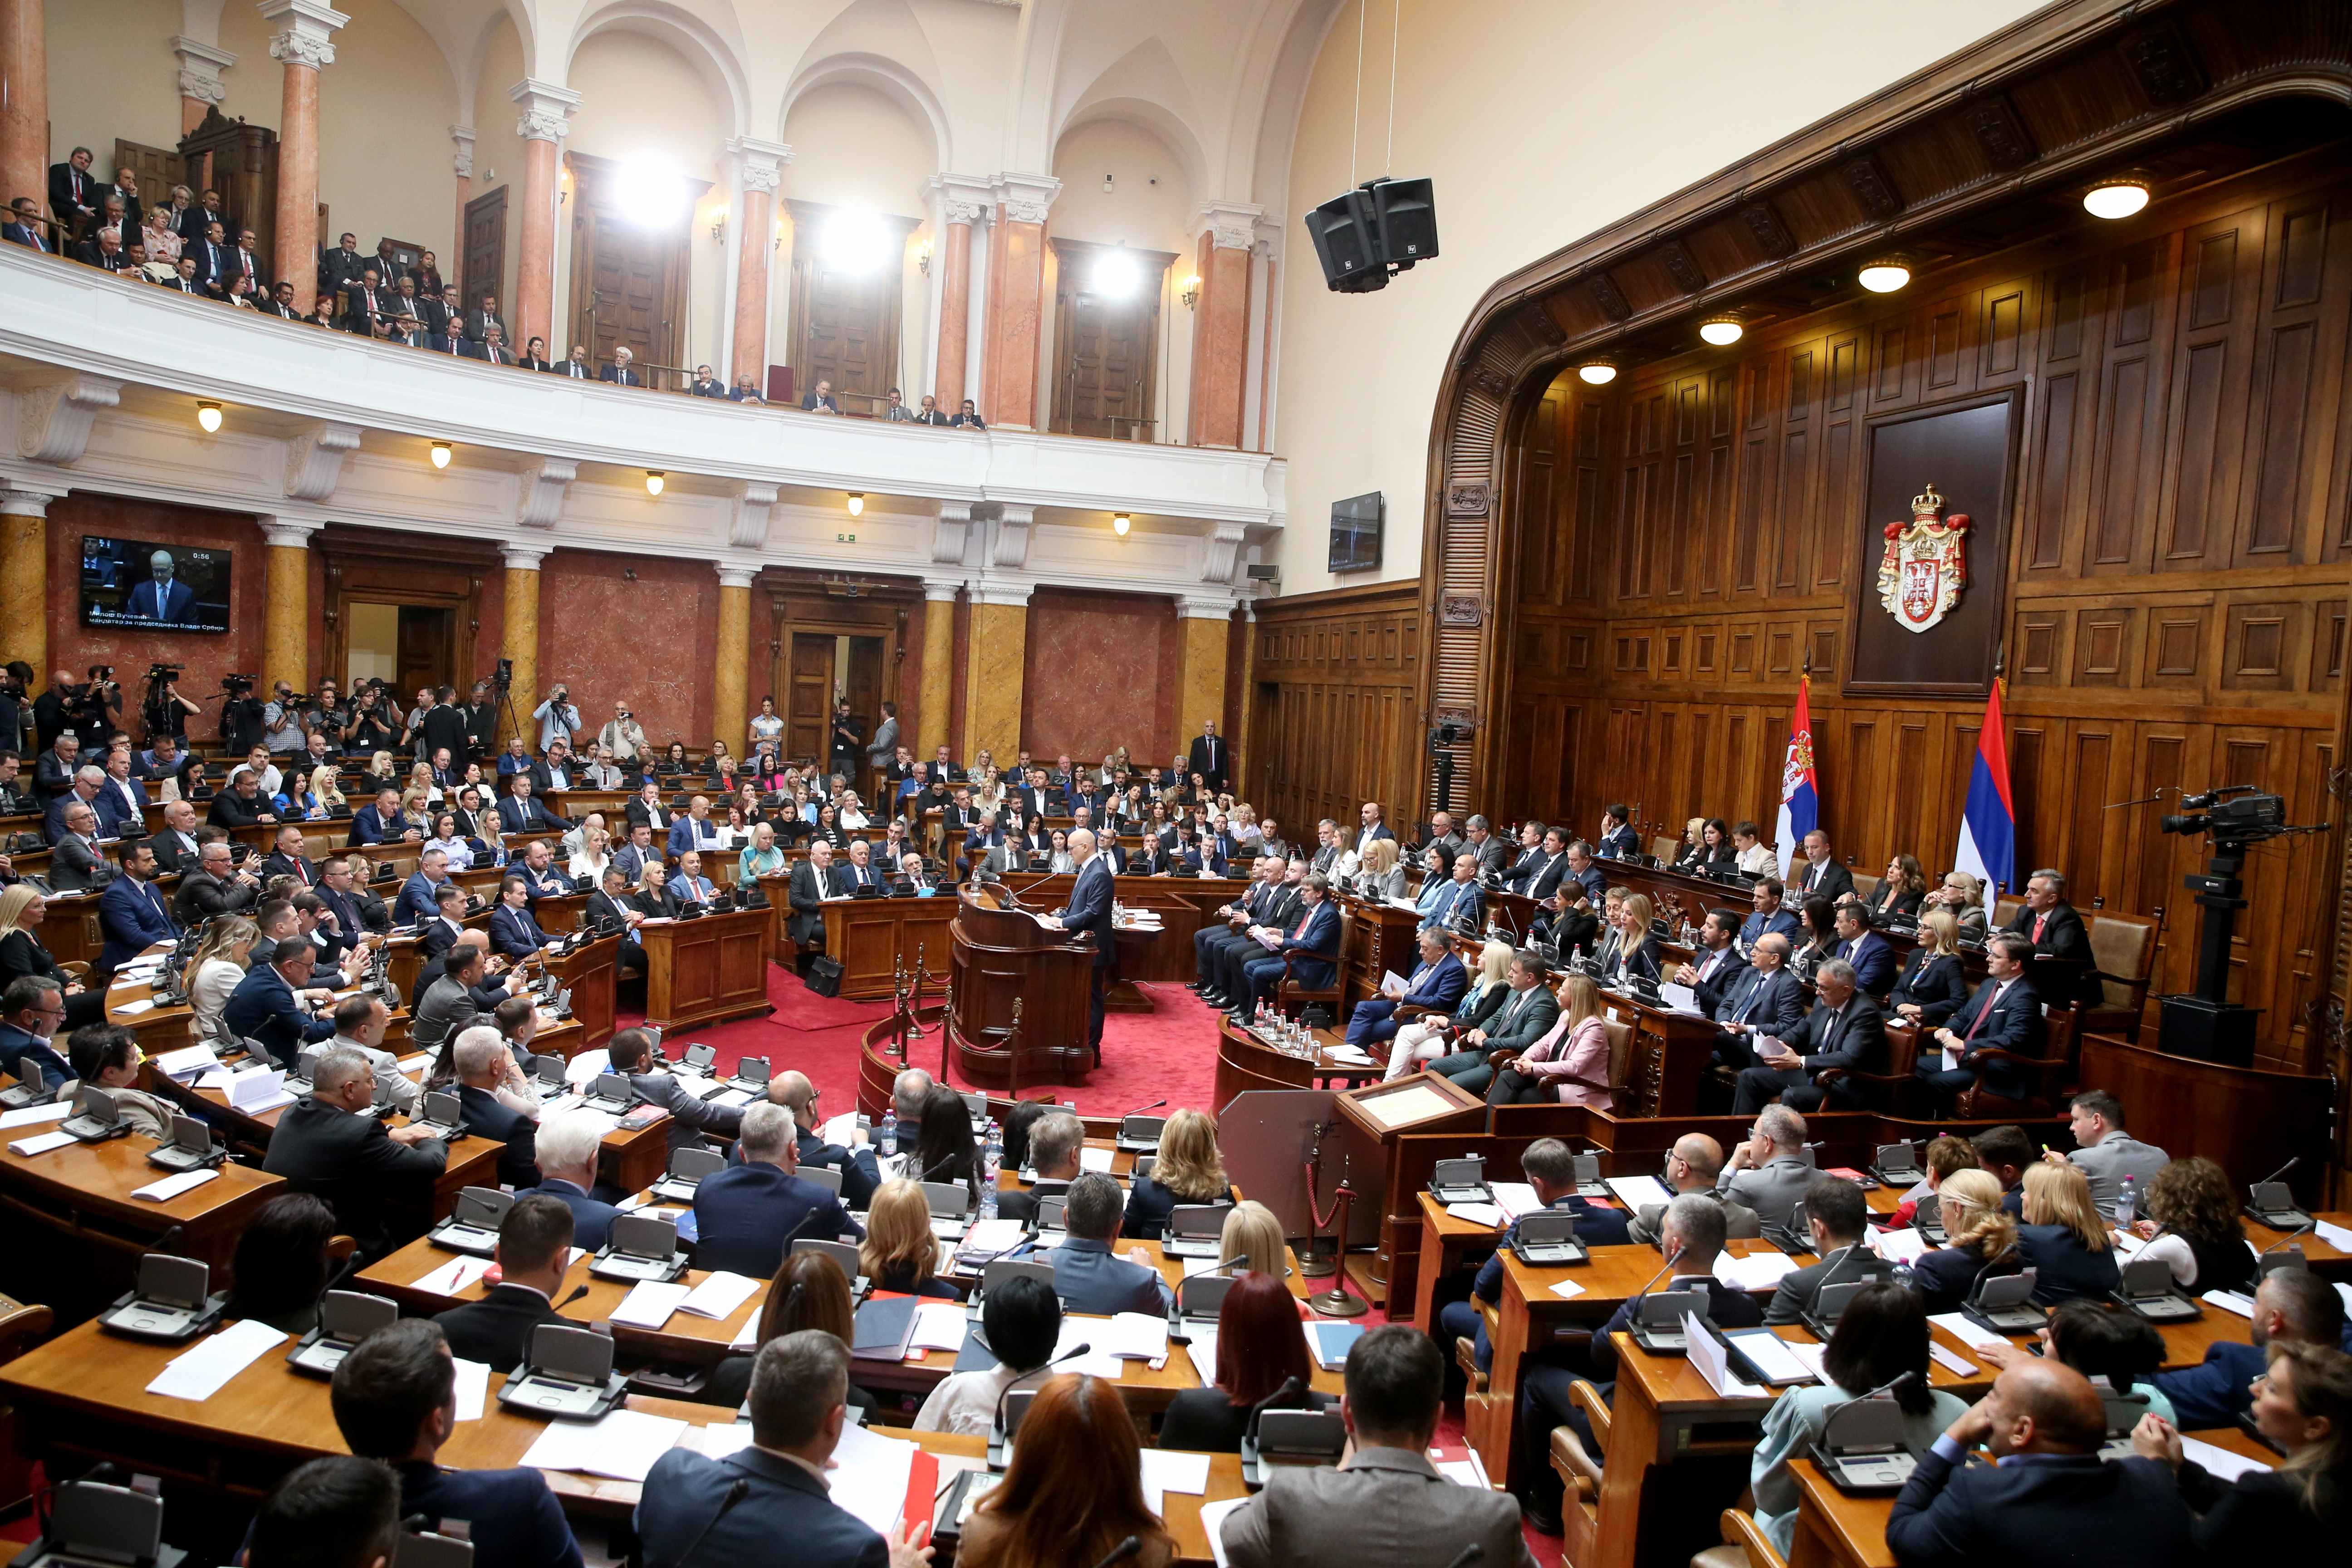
pixel 137 583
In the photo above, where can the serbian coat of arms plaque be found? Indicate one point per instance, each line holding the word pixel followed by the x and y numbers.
pixel 1925 565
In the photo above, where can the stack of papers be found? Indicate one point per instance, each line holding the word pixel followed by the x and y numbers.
pixel 1347 1055
pixel 1966 1329
pixel 841 1129
pixel 1133 1336
pixel 869 1477
pixel 34 1115
pixel 938 1326
pixel 129 1009
pixel 259 1092
pixel 648 1305
pixel 1097 1362
pixel 2336 1236
pixel 1905 1245
pixel 2231 1302
pixel 1757 1271
pixel 1635 1191
pixel 186 1062
pixel 1476 1214
pixel 718 1295
pixel 623 1445
pixel 170 1187
pixel 206 1367
pixel 454 1277
pixel 1168 1470
pixel 1515 1198
pixel 1712 1362
pixel 39 1144
pixel 1093 1159
pixel 987 1237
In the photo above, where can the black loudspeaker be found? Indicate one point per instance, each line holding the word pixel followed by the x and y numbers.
pixel 1383 226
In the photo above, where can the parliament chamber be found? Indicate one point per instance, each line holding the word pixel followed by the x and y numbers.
pixel 707 852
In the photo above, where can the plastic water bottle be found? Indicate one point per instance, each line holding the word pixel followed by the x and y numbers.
pixel 890 1130
pixel 2127 1206
pixel 991 1163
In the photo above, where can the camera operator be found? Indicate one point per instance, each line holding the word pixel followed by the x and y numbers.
pixel 70 708
pixel 480 713
pixel 165 711
pixel 623 735
pixel 15 707
pixel 282 721
pixel 244 719
pixel 556 716
pixel 101 708
pixel 374 723
pixel 328 716
pixel 411 733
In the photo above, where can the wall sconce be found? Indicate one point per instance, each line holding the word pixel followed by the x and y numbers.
pixel 208 416
pixel 655 478
pixel 440 454
pixel 1191 292
pixel 923 259
pixel 856 503
pixel 718 225
pixel 1120 523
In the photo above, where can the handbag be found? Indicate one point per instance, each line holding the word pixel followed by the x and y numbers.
pixel 824 976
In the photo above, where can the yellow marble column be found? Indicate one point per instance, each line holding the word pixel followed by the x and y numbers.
pixel 729 705
pixel 518 637
pixel 992 674
pixel 937 698
pixel 286 624
pixel 24 580
pixel 1206 624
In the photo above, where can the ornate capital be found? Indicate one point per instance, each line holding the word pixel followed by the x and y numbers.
pixel 1025 199
pixel 546 109
pixel 997 592
pixel 1234 224
pixel 314 459
pixel 16 502
pixel 524 557
pixel 54 418
pixel 957 210
pixel 282 534
pixel 201 65
pixel 544 485
pixel 761 178
pixel 1195 607
pixel 463 160
pixel 306 30
pixel 760 165
pixel 961 198
pixel 941 590
pixel 735 577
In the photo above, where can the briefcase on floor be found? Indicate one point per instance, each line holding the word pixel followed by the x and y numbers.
pixel 824 976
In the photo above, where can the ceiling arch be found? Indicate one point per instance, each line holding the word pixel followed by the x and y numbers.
pixel 719 59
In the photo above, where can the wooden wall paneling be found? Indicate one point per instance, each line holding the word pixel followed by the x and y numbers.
pixel 1338 674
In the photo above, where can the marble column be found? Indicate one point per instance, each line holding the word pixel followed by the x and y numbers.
pixel 518 635
pixel 201 87
pixel 303 45
pixel 958 204
pixel 1221 324
pixel 1017 300
pixel 285 625
pixel 730 704
pixel 546 118
pixel 995 656
pixel 25 577
pixel 1201 687
pixel 759 167
pixel 24 102
pixel 461 164
pixel 938 699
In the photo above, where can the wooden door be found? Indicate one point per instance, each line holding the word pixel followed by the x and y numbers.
pixel 1106 339
pixel 428 646
pixel 864 689
pixel 482 265
pixel 843 320
pixel 807 731
pixel 159 169
pixel 628 281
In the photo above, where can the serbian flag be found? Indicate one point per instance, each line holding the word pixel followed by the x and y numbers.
pixel 1989 821
pixel 1801 798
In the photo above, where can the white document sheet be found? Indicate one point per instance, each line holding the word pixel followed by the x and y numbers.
pixel 718 1295
pixel 454 1277
pixel 34 1115
pixel 205 1368
pixel 2220 1463
pixel 473 1388
pixel 1636 1190
pixel 1757 1271
pixel 870 1479
pixel 1713 1365
pixel 938 1326
pixel 1168 1470
pixel 649 1303
pixel 623 1446
pixel 170 1187
pixel 1966 1329
pixel 41 1143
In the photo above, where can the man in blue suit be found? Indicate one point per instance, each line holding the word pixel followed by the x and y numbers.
pixel 521 812
pixel 31 1011
pixel 131 911
pixel 263 1006
pixel 1435 985
pixel 2004 1014
pixel 740 1509
pixel 483 1060
pixel 566 1149
pixel 161 596
pixel 861 1174
pixel 395 1399
pixel 514 930
pixel 1550 1170
pixel 1090 911
pixel 1461 903
pixel 746 1216
pixel 1762 998
pixel 2291 1305
pixel 381 823
pixel 1086 1277
pixel 2047 1497
pixel 1872 957
pixel 1769 917
pixel 1313 941
pixel 122 800
pixel 1618 839
pixel 420 896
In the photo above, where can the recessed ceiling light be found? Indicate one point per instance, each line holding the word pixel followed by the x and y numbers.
pixel 1721 330
pixel 2119 197
pixel 1598 373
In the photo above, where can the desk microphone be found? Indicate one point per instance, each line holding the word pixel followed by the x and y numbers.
pixel 736 1492
pixel 2304 1229
pixel 1081 1348
pixel 1889 1386
pixel 1672 1258
pixel 1122 1552
pixel 1037 884
pixel 1141 1109
pixel 2281 1171
pixel 575 1295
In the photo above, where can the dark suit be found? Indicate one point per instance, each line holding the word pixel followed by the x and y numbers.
pixel 1853 1038
pixel 27 235
pixel 591 1217
pixel 514 933
pixel 1718 973
pixel 1771 1003
pixel 1936 983
pixel 2064 936
pixel 18 1047
pixel 1314 942
pixel 1800 1289
pixel 2064 1269
pixel 498 1327
pixel 685 1494
pixel 2214 1392
pixel 808 893
pixel 1618 843
pixel 1458 904
pixel 1830 879
pixel 353 1164
pixel 516 814
pixel 298 866
pixel 571 370
pixel 743 1214
pixel 132 915
pixel 1434 987
pixel 511 1517
pixel 484 1116
pixel 263 1009
pixel 72 189
pixel 2050 1511
pixel 370 826
pixel 1023 1206
pixel 1211 758
pixel 173 855
pixel 1090 911
pixel 1873 963
pixel 689 1118
pixel 620 377
pixel 1997 1017
pixel 201 896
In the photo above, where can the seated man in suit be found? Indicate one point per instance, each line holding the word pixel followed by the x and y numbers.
pixel 861 1174
pixel 2056 929
pixel 612 909
pixel 395 1400
pixel 1837 1222
pixel 536 869
pixel 618 373
pixel 1872 957
pixel 483 1064
pixel 2047 1499
pixel 631 1053
pixel 242 805
pixel 31 1011
pixel 534 1252
pixel 637 852
pixel 648 808
pixel 131 911
pixel 2004 1014
pixel 861 871
pixel 521 812
pixel 1055 1140
pixel 360 1022
pixel 1769 919
pixel 1550 1170
pixel 1819 871
pixel 1693 1236
pixel 1385 1489
pixel 75 859
pixel 442 931
pixel 1844 1030
pixel 1312 945
pixel 420 896
pixel 1771 1170
pixel 1086 1277
pixel 1692 1166
pixel 691 889
pixel 1436 985
pixel 383 823
pixel 746 1216
pixel 567 1148
pixel 287 858
pixel 447 1004
pixel 1760 998
pixel 1618 839
pixel 355 1162
pixel 1524 1017
pixel 2291 1306
pixel 1715 963
pixel 212 886
pixel 740 1509
pixel 2106 1155
pixel 1462 904
pixel 121 799
pixel 514 933
pixel 264 1007
pixel 813 880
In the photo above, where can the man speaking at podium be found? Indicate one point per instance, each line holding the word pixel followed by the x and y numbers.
pixel 1090 911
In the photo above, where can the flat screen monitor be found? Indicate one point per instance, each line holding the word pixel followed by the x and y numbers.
pixel 1356 534
pixel 141 583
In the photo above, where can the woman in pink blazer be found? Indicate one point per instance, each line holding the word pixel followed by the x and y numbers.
pixel 1570 1064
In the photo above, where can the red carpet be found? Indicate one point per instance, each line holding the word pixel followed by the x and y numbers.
pixel 1171 1053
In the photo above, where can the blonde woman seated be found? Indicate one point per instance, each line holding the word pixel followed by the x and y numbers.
pixel 1963 895
pixel 762 859
pixel 1190 1170
pixel 1570 1064
pixel 1253 1237
pixel 420 780
pixel 1425 1039
pixel 319 797
pixel 2063 1239
pixel 900 1254
pixel 850 813
pixel 218 969
pixel 595 854
pixel 1382 877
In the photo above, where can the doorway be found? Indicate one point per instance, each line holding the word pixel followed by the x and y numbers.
pixel 1106 338
pixel 827 667
pixel 409 646
pixel 628 281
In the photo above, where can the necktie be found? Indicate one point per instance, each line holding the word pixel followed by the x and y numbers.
pixel 1747 1003
pixel 2039 921
pixel 1984 1012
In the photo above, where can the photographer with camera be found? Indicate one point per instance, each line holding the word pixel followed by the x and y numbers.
pixel 480 713
pixel 164 712
pixel 328 716
pixel 557 717
pixel 15 708
pixel 623 734
pixel 374 722
pixel 281 719
pixel 244 723
pixel 76 708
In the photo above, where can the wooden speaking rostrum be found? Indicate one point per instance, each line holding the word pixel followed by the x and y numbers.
pixel 1002 955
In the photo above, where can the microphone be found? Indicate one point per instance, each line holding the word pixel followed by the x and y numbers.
pixel 1081 1348
pixel 1474 1552
pixel 2281 1171
pixel 1889 1386
pixel 736 1492
pixel 1672 1258
pixel 1141 1109
pixel 1037 884
pixel 2303 1229
pixel 1122 1552
pixel 1290 1389
pixel 575 1295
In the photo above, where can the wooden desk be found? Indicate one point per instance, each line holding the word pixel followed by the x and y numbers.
pixel 1244 1062
pixel 874 939
pixel 84 1191
pixel 707 971
pixel 589 973
pixel 1664 1412
pixel 1380 937
pixel 158 1029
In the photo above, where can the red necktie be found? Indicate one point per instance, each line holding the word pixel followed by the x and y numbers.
pixel 2039 921
pixel 1986 1012
pixel 1302 924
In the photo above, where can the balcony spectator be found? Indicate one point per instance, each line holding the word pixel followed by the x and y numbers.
pixel 820 399
pixel 618 373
